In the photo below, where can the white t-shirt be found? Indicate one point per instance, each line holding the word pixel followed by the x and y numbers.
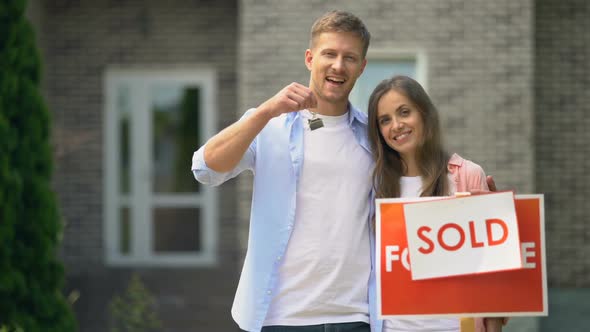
pixel 411 186
pixel 324 274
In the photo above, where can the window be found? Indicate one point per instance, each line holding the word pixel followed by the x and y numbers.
pixel 156 214
pixel 384 64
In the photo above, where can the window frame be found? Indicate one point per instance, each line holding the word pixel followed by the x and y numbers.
pixel 139 200
pixel 395 54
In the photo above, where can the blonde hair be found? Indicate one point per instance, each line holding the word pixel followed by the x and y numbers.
pixel 340 21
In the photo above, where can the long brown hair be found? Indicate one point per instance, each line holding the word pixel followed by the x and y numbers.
pixel 431 156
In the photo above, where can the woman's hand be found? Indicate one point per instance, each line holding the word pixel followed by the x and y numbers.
pixel 490 324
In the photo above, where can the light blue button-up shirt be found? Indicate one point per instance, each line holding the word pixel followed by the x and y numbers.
pixel 275 157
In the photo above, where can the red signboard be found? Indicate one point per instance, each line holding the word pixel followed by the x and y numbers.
pixel 521 292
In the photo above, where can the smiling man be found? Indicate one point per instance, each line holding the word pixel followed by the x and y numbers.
pixel 308 264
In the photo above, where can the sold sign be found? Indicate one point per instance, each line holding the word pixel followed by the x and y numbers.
pixel 465 235
pixel 518 292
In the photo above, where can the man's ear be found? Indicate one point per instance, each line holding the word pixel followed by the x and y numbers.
pixel 363 65
pixel 308 58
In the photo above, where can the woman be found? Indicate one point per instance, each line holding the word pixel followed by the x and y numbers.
pixel 410 161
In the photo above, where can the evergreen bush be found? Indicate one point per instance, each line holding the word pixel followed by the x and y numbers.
pixel 134 310
pixel 31 277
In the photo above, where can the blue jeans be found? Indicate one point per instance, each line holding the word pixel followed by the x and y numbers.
pixel 336 327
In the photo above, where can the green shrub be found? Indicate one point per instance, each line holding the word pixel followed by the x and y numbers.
pixel 31 277
pixel 134 311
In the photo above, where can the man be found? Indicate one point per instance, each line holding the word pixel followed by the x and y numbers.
pixel 308 264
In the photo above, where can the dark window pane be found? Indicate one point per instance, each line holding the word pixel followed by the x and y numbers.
pixel 177 230
pixel 124 230
pixel 176 116
pixel 124 112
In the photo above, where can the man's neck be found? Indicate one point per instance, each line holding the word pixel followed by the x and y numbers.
pixel 330 109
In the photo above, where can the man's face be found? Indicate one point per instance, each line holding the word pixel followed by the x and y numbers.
pixel 335 61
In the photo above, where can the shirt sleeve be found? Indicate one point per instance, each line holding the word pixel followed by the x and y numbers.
pixel 207 176
pixel 476 177
pixel 467 175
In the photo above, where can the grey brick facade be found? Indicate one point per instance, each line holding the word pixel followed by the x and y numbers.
pixel 562 126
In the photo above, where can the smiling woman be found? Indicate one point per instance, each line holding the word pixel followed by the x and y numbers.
pixel 410 161
pixel 406 138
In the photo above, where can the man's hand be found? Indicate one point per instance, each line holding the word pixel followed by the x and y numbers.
pixel 495 324
pixel 490 324
pixel 491 183
pixel 294 97
pixel 224 151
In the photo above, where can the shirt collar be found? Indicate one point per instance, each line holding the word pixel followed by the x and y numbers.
pixel 356 114
pixel 456 160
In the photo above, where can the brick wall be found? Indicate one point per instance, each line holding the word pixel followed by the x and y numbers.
pixel 483 71
pixel 479 68
pixel 562 113
pixel 81 39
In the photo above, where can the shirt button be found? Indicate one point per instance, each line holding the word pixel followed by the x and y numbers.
pixel 278 258
pixel 268 292
pixel 290 226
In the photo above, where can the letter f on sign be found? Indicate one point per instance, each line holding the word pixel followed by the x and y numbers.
pixel 390 256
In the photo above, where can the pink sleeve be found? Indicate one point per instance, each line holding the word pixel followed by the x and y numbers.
pixel 468 176
pixel 476 177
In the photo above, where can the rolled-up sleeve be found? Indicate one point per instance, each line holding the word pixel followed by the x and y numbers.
pixel 207 176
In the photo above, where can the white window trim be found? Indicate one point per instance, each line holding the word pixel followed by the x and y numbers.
pixel 140 252
pixel 392 54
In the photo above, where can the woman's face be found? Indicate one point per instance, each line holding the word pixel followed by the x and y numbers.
pixel 400 123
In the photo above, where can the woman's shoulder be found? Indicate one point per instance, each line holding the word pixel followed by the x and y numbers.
pixel 458 163
pixel 466 174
